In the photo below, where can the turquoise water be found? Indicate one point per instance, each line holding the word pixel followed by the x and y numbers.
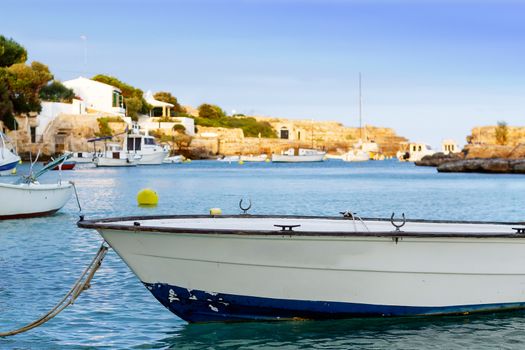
pixel 41 258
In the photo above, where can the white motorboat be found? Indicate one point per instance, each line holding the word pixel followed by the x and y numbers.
pixel 254 158
pixel 9 159
pixel 299 155
pixel 113 155
pixel 246 268
pixel 145 146
pixel 173 159
pixel 33 199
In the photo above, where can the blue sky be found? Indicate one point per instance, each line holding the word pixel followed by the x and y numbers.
pixel 431 69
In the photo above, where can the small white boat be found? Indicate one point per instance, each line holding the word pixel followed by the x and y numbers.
pixel 299 155
pixel 247 267
pixel 113 155
pixel 356 155
pixel 33 199
pixel 254 158
pixel 229 159
pixel 116 159
pixel 82 157
pixel 9 159
pixel 173 160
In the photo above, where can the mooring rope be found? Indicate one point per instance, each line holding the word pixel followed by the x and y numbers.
pixel 76 196
pixel 81 284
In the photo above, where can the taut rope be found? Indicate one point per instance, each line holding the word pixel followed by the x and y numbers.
pixel 81 284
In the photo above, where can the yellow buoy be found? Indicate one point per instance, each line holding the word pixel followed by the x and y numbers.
pixel 147 196
pixel 241 162
pixel 267 160
pixel 215 211
pixel 13 172
pixel 20 161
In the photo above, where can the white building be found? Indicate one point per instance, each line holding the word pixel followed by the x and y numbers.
pixel 98 97
pixel 449 146
pixel 162 110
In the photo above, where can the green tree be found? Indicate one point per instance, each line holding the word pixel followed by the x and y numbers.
pixel 502 133
pixel 24 83
pixel 179 128
pixel 133 107
pixel 209 111
pixel 169 98
pixel 6 106
pixel 137 105
pixel 56 92
pixel 11 52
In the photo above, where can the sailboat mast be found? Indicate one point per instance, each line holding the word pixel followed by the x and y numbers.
pixel 360 110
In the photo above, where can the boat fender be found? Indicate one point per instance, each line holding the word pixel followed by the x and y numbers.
pixel 215 211
pixel 147 197
pixel 241 162
pixel 13 172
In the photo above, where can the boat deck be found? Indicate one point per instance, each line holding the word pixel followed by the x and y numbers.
pixel 307 226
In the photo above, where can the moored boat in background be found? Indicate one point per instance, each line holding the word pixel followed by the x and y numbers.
pixel 145 146
pixel 9 159
pixel 229 159
pixel 173 159
pixel 299 155
pixel 66 165
pixel 29 198
pixel 254 158
pixel 82 157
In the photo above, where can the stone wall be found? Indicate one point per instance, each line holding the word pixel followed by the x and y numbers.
pixel 65 133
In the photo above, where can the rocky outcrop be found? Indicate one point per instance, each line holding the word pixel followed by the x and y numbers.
pixel 486 135
pixel 494 165
pixel 495 151
pixel 439 158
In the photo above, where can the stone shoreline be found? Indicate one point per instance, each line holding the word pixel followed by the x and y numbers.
pixel 480 165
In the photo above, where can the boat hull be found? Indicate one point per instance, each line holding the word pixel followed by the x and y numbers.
pixel 8 168
pixel 283 158
pixel 68 165
pixel 153 158
pixel 114 162
pixel 198 306
pixel 243 277
pixel 259 158
pixel 33 200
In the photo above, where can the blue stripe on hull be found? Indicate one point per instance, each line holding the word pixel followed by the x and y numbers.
pixel 7 167
pixel 201 306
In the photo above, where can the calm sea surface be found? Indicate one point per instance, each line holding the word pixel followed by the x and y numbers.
pixel 41 258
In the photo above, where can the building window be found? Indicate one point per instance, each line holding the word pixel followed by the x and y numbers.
pixel 32 129
pixel 298 135
pixel 284 133
pixel 117 99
